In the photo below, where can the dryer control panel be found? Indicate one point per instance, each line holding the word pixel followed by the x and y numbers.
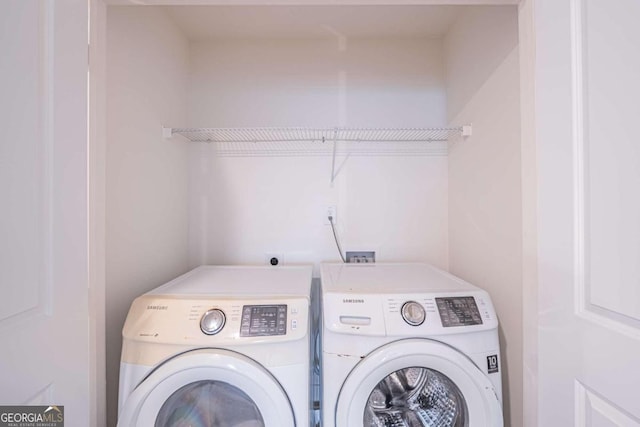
pixel 209 320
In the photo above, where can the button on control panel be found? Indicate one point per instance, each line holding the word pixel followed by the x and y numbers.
pixel 263 320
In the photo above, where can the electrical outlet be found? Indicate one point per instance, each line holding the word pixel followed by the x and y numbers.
pixel 361 257
pixel 273 258
pixel 330 211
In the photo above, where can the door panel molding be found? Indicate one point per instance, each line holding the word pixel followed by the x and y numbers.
pixel 47 124
pixel 585 306
pixel 590 406
pixel 40 289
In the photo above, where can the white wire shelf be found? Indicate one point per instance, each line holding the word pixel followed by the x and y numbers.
pixel 323 141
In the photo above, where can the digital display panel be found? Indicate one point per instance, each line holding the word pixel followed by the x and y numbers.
pixel 458 311
pixel 263 320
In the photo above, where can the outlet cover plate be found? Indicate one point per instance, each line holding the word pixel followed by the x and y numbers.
pixel 333 212
pixel 361 257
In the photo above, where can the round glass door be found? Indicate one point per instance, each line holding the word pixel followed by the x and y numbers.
pixel 417 382
pixel 416 397
pixel 209 403
pixel 208 388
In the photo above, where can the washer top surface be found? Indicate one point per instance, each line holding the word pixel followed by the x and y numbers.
pixel 241 281
pixel 389 279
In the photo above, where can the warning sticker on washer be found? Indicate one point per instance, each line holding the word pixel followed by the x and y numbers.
pixel 492 364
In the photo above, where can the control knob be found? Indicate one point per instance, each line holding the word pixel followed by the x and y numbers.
pixel 212 321
pixel 413 313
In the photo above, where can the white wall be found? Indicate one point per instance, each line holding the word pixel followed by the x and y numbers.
pixel 166 199
pixel 485 196
pixel 146 194
pixel 242 208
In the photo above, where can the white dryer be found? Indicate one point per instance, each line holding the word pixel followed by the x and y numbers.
pixel 219 346
pixel 407 345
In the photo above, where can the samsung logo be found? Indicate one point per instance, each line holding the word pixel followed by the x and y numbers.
pixel 157 307
pixel 352 301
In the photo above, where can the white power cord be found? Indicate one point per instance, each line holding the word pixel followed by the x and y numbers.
pixel 335 236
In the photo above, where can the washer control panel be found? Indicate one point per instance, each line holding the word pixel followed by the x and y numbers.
pixel 408 314
pixel 458 311
pixel 263 320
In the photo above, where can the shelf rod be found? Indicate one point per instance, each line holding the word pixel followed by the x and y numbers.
pixel 314 141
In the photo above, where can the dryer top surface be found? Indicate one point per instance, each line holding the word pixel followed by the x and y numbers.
pixel 241 281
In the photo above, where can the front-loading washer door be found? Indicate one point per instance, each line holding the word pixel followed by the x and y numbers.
pixel 417 383
pixel 208 388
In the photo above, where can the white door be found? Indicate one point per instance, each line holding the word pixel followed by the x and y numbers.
pixel 588 109
pixel 43 206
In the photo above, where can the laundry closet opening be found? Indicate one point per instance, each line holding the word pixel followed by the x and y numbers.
pixel 173 204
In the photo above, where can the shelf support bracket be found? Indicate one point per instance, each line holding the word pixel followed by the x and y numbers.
pixel 333 159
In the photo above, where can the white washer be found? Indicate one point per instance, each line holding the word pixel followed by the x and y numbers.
pixel 219 346
pixel 407 345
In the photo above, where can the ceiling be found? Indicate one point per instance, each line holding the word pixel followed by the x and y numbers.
pixel 215 22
